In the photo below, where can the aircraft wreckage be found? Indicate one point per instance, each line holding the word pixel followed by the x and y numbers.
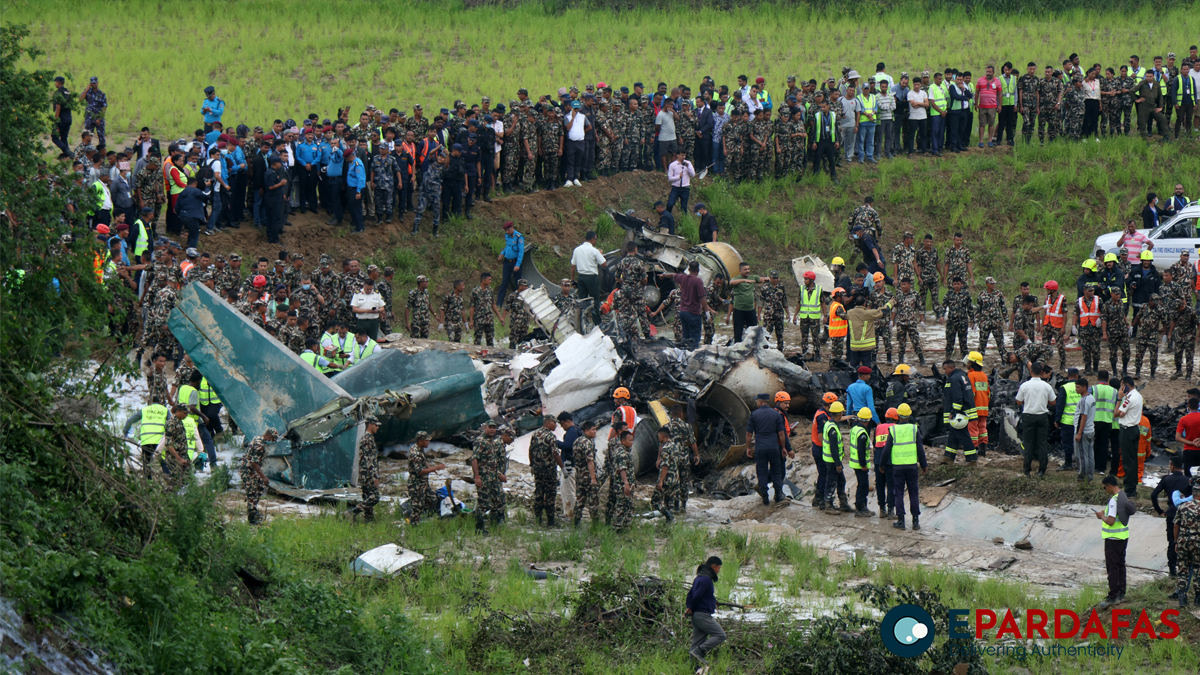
pixel 568 365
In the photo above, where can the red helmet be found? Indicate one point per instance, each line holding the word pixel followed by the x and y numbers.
pixel 810 275
pixel 1050 285
pixel 259 281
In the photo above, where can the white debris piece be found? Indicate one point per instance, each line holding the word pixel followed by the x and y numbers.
pixel 386 560
pixel 587 368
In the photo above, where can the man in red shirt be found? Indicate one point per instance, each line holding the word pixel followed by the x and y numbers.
pixel 987 96
pixel 1188 433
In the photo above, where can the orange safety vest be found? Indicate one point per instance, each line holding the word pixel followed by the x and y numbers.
pixel 185 267
pixel 819 421
pixel 983 394
pixel 1143 448
pixel 838 326
pixel 607 306
pixel 627 415
pixel 1054 313
pixel 1089 316
pixel 881 434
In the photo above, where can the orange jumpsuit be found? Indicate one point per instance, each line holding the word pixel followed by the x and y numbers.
pixel 1143 448
pixel 978 426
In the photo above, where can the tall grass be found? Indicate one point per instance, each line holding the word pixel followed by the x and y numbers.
pixel 272 59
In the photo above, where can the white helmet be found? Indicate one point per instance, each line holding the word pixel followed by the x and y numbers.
pixel 959 421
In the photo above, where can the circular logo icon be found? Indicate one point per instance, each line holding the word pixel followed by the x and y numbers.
pixel 907 630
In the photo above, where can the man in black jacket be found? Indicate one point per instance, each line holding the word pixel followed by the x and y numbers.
pixel 1175 480
pixel 701 602
pixel 454 183
pixel 704 130
pixel 258 169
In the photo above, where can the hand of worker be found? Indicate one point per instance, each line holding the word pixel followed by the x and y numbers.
pixel 503 478
pixel 627 490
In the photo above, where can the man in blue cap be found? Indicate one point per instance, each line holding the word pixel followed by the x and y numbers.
pixel 212 108
pixel 575 127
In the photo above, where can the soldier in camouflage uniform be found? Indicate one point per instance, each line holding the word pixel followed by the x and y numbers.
pixel 929 278
pixel 254 481
pixel 1050 92
pixel 1027 96
pixel 307 300
pixel 781 134
pixel 551 147
pixel 148 186
pixel 1090 335
pixel 1187 546
pixel 451 313
pixel 607 141
pixel 1109 107
pixel 1184 272
pixel 617 461
pixel 565 300
pixel 958 262
pixel 1126 84
pixel 685 130
pixel 669 453
pixel 1183 332
pixel 736 137
pixel 587 474
pixel 230 276
pixel 1114 330
pixel 1032 352
pixel 648 138
pixel 483 309
pixel 329 285
pixel 1148 320
pixel 544 462
pixel 529 145
pixel 867 217
pixel 758 163
pixel 487 462
pixel 717 303
pixel 518 326
pixel 176 455
pixel 431 191
pixel 632 135
pixel 992 312
pixel 510 152
pixel 630 273
pixel 775 307
pixel 418 123
pixel 368 472
pixel 684 440
pixel 672 302
pixel 1073 107
pixel 156 328
pixel 421 497
pixel 290 335
pixel 384 288
pixel 1025 318
pixel 291 275
pixel 416 312
pixel 384 170
pixel 960 314
pixel 903 256
pixel 881 297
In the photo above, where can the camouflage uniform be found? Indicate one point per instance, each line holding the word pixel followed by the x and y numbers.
pixel 351 284
pixel 291 278
pixel 685 131
pixel 668 455
pixel 760 158
pixel 544 468
pixel 1023 321
pixel 1109 107
pixel 957 260
pixel 148 184
pixel 631 309
pixel 252 483
pixel 551 133
pixel 510 152
pixel 417 125
pixel 1027 88
pixel 904 256
pixel 1184 336
pixel 386 318
pixel 604 146
pixel 529 134
pixel 672 303
pixel 1125 102
pixel 418 311
pixel 228 278
pixel 1073 113
pixel 176 437
pixel 717 304
pixel 383 171
pixel 883 329
pixel 1034 352
pixel 631 135
pixel 619 508
pixel 1049 91
pixel 452 309
pixel 960 313
pixel 866 216
pixel 489 453
pixel 1185 275
pixel 164 340
pixel 1148 335
pixel 421 496
pixel 735 137
pixel 774 315
pixel 1089 341
pixel 95 103
pixel 928 260
pixel 1187 546
pixel 682 437
pixel 518 319
pixel 292 338
pixel 992 311
pixel 368 473
pixel 156 382
pixel 431 194
pixel 587 496
pixel 809 328
pixel 485 325
pixel 1112 314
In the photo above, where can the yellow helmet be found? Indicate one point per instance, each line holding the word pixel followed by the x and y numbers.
pixel 864 414
pixel 837 407
pixel 904 409
pixel 974 357
pixel 1147 255
pixel 902 369
pixel 1090 264
pixel 1110 257
pixel 838 261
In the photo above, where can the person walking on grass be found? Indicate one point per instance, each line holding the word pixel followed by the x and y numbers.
pixel 1114 529
pixel 707 634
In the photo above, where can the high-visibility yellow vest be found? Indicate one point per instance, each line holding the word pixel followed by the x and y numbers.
pixel 940 94
pixel 153 424
pixel 142 237
pixel 185 395
pixel 208 395
pixel 1008 89
pixel 904 444
pixel 340 344
pixel 810 303
pixel 1106 403
pixel 826 454
pixel 857 432
pixel 190 425
pixel 868 104
pixel 360 352
pixel 865 339
pixel 1072 396
pixel 838 326
pixel 1162 82
pixel 313 360
pixel 1116 530
pixel 820 122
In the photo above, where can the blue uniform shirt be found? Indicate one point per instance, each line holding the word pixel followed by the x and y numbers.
pixel 859 395
pixel 514 246
pixel 356 176
pixel 308 153
pixel 337 163
pixel 765 423
pixel 217 108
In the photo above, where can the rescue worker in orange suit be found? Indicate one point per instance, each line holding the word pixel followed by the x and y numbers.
pixel 818 426
pixel 983 396
pixel 1143 451
pixel 623 411
pixel 883 474
pixel 1052 324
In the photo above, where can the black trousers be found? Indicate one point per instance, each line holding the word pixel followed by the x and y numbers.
pixel 62 134
pixel 213 413
pixel 275 218
pixel 472 193
pixel 404 197
pixel 1172 555
pixel 311 178
pixel 954 133
pixel 1114 563
pixel 1035 435
pixel 703 154
pixel 1091 118
pixel 883 488
pixel 768 463
pixel 918 130
pixel 1129 448
pixel 452 199
pixel 1007 124
pixel 861 489
pixel 333 188
pixel 576 159
pixel 237 205
pixel 741 319
pixel 822 470
pixel 488 163
pixel 825 152
pixel 589 156
pixel 905 478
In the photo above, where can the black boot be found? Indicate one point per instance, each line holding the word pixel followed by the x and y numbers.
pixel 416 227
pixel 550 519
pixel 899 524
pixel 916 522
pixel 843 502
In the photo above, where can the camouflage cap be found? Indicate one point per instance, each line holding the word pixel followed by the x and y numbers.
pixel 512 102
pixel 774 274
pixel 220 258
pixel 528 103
pixel 590 87
pixel 924 73
pixel 389 271
pixel 421 278
pixel 505 429
pixel 1155 297
pixel 297 256
pixel 522 283
pixel 489 423
pixel 1170 55
pixel 909 235
pixel 485 99
pixel 564 282
pixel 370 108
pixel 417 107
pixel 261 302
pixel 326 259
pixel 372 268
pixel 258 130
pixel 371 419
pixel 574 89
pixel 235 257
pixel 422 436
pixel 1076 78
pixel 523 90
pixel 990 280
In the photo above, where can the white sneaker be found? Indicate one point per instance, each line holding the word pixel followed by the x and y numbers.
pixel 1097 140
pixel 577 183
pixel 568 184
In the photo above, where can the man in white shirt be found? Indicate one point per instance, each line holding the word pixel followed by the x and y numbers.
pixel 1129 413
pixel 363 348
pixel 586 262
pixel 1036 397
pixel 679 175
pixel 366 305
pixel 664 129
pixel 576 125
pixel 918 119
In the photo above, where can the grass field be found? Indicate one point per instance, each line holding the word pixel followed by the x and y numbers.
pixel 272 59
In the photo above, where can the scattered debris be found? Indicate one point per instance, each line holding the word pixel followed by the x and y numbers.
pixel 386 560
pixel 1000 564
pixel 933 496
pixel 998 540
pixel 1023 545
